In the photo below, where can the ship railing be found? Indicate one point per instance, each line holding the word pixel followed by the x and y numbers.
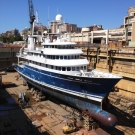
pixel 85 74
pixel 91 74
pixel 21 55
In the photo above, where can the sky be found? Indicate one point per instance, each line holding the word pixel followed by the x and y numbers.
pixel 108 13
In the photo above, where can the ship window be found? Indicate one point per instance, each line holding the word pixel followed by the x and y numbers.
pixel 46 65
pixel 73 68
pixel 77 68
pixel 59 68
pixel 63 69
pixel 52 46
pixel 81 68
pixel 71 56
pixel 61 57
pixel 53 57
pixel 56 68
pixel 84 67
pixel 65 57
pixel 68 68
pixel 68 57
pixel 57 57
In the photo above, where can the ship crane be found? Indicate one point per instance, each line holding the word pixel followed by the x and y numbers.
pixel 31 13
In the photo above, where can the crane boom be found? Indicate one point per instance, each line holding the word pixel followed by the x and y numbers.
pixel 31 14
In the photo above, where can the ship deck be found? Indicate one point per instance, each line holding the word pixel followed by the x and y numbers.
pixel 45 117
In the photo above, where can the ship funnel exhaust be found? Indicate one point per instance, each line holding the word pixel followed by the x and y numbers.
pixel 30 43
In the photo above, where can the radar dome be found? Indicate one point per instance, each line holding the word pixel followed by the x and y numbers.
pixel 58 18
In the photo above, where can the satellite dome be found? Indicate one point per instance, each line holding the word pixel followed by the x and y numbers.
pixel 58 18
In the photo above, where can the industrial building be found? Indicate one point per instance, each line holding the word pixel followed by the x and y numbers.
pixel 9 33
pixel 64 27
pixel 129 25
pixel 95 34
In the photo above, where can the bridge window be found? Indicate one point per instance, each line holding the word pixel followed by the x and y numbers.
pixel 53 57
pixel 68 68
pixel 59 68
pixel 61 57
pixel 63 68
pixel 77 68
pixel 73 68
pixel 65 57
pixel 57 57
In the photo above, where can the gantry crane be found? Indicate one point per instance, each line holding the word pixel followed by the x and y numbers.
pixel 31 13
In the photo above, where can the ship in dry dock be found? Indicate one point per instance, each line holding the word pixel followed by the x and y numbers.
pixel 57 68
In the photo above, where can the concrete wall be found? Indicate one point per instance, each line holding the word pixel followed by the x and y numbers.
pixel 133 32
pixel 123 65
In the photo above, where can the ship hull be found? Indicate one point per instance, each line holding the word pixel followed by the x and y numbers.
pixel 81 103
pixel 94 88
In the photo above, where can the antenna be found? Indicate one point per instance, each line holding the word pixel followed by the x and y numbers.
pixel 37 17
pixel 48 17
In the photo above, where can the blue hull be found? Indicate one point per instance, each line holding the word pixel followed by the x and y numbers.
pixel 96 87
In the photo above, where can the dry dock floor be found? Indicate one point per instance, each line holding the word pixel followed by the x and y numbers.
pixel 45 117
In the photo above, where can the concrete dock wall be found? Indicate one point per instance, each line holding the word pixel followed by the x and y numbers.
pixel 8 55
pixel 115 60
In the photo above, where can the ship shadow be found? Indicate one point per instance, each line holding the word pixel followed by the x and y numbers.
pixel 124 123
pixel 124 119
pixel 9 85
pixel 13 120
